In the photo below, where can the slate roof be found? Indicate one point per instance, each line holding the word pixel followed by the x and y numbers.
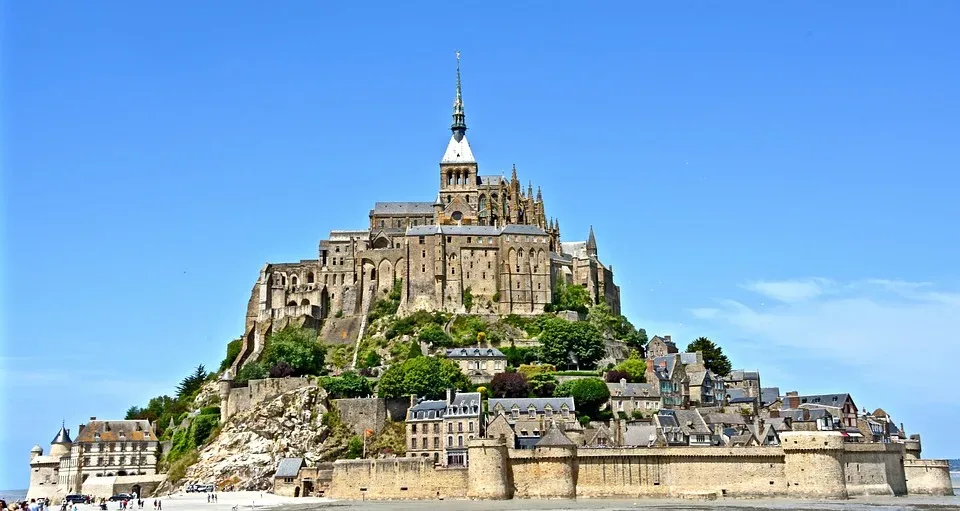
pixel 402 208
pixel 688 358
pixel 633 390
pixel 663 367
pixel 554 438
pixel 524 403
pixel 523 229
pixel 289 467
pixel 110 431
pixel 769 395
pixel 741 375
pixel 63 436
pixel 475 353
pixel 639 434
pixel 437 406
pixel 470 400
pixel 734 393
pixel 453 230
pixel 836 400
pixel 697 377
pixel 576 249
pixel 689 421
pixel 742 440
pixel 724 418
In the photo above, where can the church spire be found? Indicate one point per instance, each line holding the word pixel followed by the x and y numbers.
pixel 459 126
pixel 591 243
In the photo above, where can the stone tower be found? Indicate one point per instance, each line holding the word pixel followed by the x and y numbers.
pixel 813 464
pixel 61 443
pixel 489 476
pixel 556 456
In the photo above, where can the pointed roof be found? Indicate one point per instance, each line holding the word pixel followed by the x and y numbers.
pixel 63 436
pixel 459 125
pixel 458 151
pixel 554 438
pixel 591 242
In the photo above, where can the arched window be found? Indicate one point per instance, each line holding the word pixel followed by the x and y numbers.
pixel 482 203
pixel 293 281
pixel 449 178
pixel 292 303
pixel 304 302
pixel 310 278
pixel 283 280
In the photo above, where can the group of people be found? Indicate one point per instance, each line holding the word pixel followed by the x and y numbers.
pixel 41 504
pixel 211 497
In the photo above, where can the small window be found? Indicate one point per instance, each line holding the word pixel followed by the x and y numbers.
pixel 423 268
pixel 421 240
pixel 449 239
pixel 469 239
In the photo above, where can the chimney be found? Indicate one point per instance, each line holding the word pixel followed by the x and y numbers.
pixel 667 338
pixel 93 418
pixel 774 414
pixel 793 399
pixel 700 357
pixel 449 396
pixel 651 378
pixel 623 382
pixel 413 400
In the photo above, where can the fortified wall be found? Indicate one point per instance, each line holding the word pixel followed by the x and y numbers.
pixel 808 465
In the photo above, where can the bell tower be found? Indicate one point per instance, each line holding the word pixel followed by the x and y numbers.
pixel 458 169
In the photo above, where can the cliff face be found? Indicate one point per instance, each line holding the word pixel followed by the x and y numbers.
pixel 251 443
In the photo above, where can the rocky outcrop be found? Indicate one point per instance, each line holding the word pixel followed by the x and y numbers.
pixel 208 395
pixel 250 445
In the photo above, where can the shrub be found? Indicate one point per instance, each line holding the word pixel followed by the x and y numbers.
pixel 354 448
pixel 233 351
pixel 369 358
pixel 509 385
pixel 589 394
pixel 636 414
pixel 299 348
pixel 519 356
pixel 178 468
pixel 281 370
pixel 210 410
pixel 435 336
pixel 251 371
pixel 530 370
pixel 201 427
pixel 467 299
pixel 348 384
pixel 635 368
pixel 571 298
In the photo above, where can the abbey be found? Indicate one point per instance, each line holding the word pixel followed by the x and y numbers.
pixel 483 240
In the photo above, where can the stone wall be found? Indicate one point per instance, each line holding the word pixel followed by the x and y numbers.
pixel 258 391
pixel 678 472
pixel 809 465
pixel 105 487
pixel 874 469
pixel 928 477
pixel 396 479
pixel 362 413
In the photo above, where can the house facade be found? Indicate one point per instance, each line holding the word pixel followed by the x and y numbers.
pixel 440 429
pixel 633 399
pixel 479 364
pixel 668 373
pixel 529 418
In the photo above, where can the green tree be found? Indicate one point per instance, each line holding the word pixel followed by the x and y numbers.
pixel 713 357
pixel 588 393
pixel 192 383
pixel 571 297
pixel 635 367
pixel 561 338
pixel 543 384
pixel 233 350
pixel 348 384
pixel 201 427
pixel 354 448
pixel 435 336
pixel 299 348
pixel 468 299
pixel 424 376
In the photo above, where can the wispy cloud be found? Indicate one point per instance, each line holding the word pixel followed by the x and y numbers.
pixel 790 291
pixel 892 341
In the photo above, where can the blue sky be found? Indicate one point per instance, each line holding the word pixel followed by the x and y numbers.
pixel 779 178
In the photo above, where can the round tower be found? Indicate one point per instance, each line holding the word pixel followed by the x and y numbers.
pixel 813 464
pixel 556 456
pixel 36 451
pixel 489 469
pixel 225 384
pixel 61 444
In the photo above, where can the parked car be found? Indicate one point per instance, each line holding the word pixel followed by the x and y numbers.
pixel 77 499
pixel 121 496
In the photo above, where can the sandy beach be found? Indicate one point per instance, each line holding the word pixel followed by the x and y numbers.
pixel 251 501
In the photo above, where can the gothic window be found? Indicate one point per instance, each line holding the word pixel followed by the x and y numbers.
pixel 483 203
pixel 449 178
pixel 293 281
pixel 283 280
pixel 310 278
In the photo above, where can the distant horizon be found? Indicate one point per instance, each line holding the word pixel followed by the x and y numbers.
pixel 776 178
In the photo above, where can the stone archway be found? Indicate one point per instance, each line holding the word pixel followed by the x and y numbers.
pixel 384 277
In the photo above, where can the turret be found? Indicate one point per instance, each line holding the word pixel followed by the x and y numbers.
pixel 36 451
pixel 813 464
pixel 224 385
pixel 61 444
